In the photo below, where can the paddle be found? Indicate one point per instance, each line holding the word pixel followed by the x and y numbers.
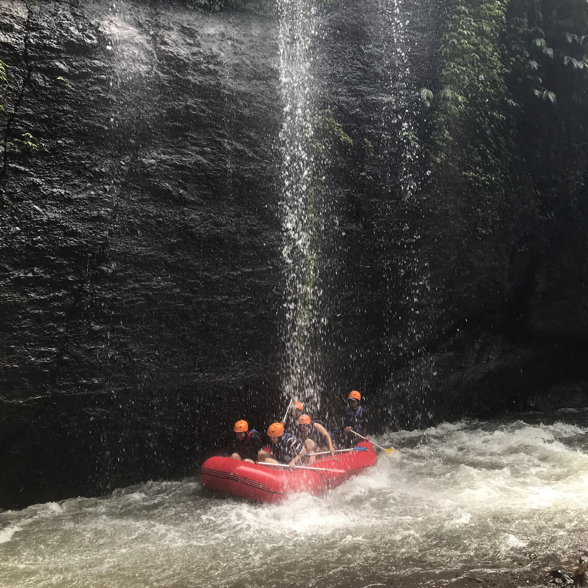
pixel 281 465
pixel 339 451
pixel 389 450
pixel 288 409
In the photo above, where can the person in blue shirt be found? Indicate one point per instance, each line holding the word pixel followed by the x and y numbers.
pixel 284 447
pixel 353 419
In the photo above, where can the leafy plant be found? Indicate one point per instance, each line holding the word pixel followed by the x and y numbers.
pixel 328 134
pixel 26 143
pixel 63 82
pixel 473 104
pixel 3 68
pixel 507 128
pixel 427 97
pixel 548 42
pixel 410 138
pixel 368 148
pixel 259 7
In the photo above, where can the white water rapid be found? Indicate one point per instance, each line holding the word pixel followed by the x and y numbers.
pixel 460 504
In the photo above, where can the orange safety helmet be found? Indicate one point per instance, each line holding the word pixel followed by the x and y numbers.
pixel 298 405
pixel 304 420
pixel 241 427
pixel 355 395
pixel 275 430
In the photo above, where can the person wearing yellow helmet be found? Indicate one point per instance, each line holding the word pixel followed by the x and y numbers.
pixel 247 442
pixel 284 446
pixel 315 437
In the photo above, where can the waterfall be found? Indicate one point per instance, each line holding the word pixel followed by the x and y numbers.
pixel 399 120
pixel 305 208
pixel 301 218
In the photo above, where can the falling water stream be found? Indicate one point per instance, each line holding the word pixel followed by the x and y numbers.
pixel 300 217
pixel 461 501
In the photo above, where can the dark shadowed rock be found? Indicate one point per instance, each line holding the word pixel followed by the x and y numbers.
pixel 140 244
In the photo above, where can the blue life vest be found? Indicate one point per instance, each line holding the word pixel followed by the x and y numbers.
pixel 354 419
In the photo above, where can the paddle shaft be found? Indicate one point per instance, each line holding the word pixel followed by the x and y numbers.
pixel 374 444
pixel 282 465
pixel 287 410
pixel 329 453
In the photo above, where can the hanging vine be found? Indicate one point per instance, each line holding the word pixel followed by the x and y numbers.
pixel 472 105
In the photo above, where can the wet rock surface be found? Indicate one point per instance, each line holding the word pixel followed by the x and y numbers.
pixel 141 278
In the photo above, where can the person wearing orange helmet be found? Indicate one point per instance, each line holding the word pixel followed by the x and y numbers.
pixel 353 419
pixel 292 421
pixel 247 442
pixel 315 437
pixel 284 446
pixel 297 410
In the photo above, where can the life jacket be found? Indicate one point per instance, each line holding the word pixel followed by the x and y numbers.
pixel 317 437
pixel 354 419
pixel 250 445
pixel 287 448
pixel 247 440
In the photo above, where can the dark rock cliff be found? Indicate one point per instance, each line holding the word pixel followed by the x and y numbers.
pixel 140 246
pixel 140 243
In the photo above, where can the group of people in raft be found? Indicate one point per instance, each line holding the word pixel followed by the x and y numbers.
pixel 293 446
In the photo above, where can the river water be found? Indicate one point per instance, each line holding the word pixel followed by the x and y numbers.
pixel 465 501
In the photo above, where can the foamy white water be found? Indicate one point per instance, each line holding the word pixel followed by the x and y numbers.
pixel 455 498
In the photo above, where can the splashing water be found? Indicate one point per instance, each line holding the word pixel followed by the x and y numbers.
pixel 464 498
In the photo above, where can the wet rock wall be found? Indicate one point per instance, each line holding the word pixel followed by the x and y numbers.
pixel 140 241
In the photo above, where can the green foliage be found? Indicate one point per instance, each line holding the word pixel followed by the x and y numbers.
pixel 259 7
pixel 546 95
pixel 548 46
pixel 427 97
pixel 3 68
pixel 472 106
pixel 368 148
pixel 410 138
pixel 328 134
pixel 508 127
pixel 25 144
pixel 63 82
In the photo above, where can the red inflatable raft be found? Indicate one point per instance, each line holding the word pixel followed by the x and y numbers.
pixel 264 483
